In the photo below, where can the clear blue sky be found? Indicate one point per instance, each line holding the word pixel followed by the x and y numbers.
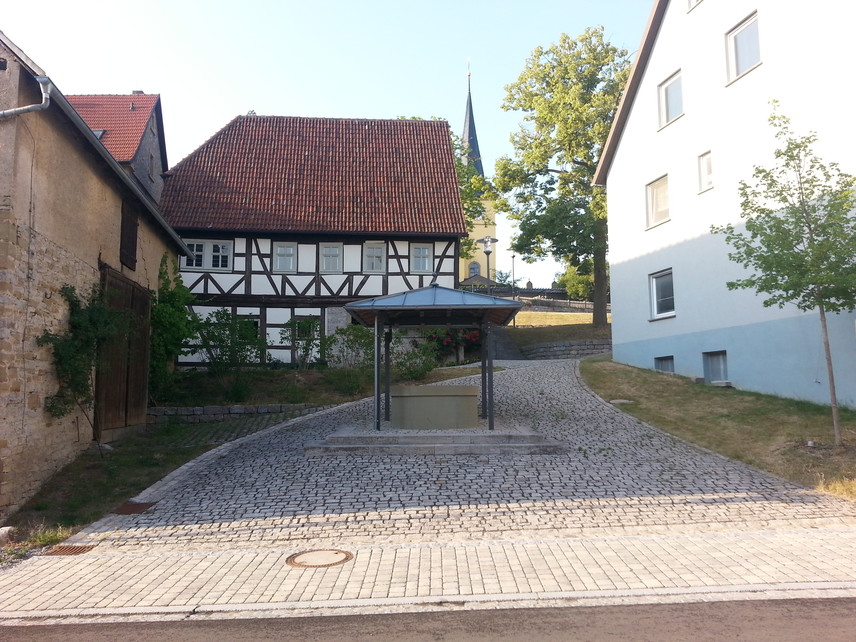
pixel 211 60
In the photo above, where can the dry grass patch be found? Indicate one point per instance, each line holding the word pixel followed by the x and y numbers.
pixel 770 433
pixel 546 327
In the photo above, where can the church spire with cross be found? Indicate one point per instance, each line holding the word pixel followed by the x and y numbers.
pixel 469 136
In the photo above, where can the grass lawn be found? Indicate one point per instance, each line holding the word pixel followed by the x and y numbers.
pixel 547 327
pixel 770 433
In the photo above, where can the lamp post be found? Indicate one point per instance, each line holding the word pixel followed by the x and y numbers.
pixel 488 248
pixel 514 320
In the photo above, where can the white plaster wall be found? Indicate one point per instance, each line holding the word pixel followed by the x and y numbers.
pixel 802 47
pixel 353 258
pixel 306 256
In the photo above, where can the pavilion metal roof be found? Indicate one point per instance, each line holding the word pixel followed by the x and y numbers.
pixel 434 306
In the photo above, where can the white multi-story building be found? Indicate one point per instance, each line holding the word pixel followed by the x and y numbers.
pixel 693 123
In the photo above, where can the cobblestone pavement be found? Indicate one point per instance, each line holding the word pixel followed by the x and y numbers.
pixel 629 513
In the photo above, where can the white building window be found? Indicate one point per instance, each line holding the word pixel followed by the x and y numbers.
pixel 374 257
pixel 285 257
pixel 744 48
pixel 705 172
pixel 331 258
pixel 475 268
pixel 671 99
pixel 658 201
pixel 421 257
pixel 665 364
pixel 209 255
pixel 662 295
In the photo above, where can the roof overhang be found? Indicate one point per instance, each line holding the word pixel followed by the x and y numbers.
pixel 433 307
pixel 62 103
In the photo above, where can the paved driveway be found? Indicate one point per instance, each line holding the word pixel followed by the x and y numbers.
pixel 627 512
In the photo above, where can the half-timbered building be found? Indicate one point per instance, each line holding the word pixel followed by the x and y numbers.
pixel 295 217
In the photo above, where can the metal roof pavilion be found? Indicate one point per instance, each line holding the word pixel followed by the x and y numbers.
pixel 434 307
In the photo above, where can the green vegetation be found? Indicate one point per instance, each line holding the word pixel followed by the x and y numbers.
pixel 547 327
pixel 91 323
pixel 800 238
pixel 232 347
pixel 770 433
pixel 173 326
pixel 568 94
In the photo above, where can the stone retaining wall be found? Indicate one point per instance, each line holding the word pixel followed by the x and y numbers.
pixel 204 414
pixel 566 349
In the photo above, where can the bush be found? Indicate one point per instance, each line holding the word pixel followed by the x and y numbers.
pixel 231 345
pixel 349 381
pixel 352 347
pixel 414 363
pixel 304 334
pixel 448 341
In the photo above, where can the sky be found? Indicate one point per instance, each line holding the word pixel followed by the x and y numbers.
pixel 212 60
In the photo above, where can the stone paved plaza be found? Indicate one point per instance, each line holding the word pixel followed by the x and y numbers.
pixel 627 513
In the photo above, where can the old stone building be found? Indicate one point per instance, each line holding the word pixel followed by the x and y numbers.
pixel 69 214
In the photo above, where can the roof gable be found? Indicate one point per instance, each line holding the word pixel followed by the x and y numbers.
pixel 122 118
pixel 655 21
pixel 279 173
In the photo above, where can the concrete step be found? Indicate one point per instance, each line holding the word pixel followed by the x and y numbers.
pixel 535 448
pixel 434 438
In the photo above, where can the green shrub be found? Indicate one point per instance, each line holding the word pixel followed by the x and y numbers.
pixel 91 323
pixel 414 362
pixel 231 345
pixel 173 326
pixel 349 381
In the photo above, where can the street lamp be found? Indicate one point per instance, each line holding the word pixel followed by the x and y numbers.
pixel 488 248
pixel 512 275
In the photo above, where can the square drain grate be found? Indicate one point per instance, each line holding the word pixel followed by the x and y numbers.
pixel 69 549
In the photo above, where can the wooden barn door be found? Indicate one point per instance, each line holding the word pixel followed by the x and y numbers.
pixel 121 389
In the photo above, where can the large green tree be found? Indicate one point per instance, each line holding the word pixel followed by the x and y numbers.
pixel 799 243
pixel 568 94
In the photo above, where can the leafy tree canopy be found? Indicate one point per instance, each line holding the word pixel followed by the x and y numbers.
pixel 568 94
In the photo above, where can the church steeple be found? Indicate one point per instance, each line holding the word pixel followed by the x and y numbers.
pixel 469 135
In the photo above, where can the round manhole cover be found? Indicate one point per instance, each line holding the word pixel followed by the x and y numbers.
pixel 320 558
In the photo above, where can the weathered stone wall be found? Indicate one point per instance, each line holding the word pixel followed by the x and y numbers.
pixel 60 209
pixel 566 349
pixel 33 445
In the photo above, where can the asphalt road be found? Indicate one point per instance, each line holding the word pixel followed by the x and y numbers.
pixel 783 620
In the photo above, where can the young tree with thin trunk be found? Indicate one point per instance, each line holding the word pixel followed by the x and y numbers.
pixel 800 237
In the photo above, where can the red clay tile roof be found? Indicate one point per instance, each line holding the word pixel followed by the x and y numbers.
pixel 290 174
pixel 122 117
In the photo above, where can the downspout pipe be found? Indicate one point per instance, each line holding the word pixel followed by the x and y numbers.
pixel 45 83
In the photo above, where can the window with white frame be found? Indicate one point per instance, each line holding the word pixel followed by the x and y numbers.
pixel 331 257
pixel 284 257
pixel 421 257
pixel 671 99
pixel 662 295
pixel 374 257
pixel 744 48
pixel 665 364
pixel 209 255
pixel 658 201
pixel 705 172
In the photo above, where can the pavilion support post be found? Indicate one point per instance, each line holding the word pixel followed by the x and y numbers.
pixel 489 376
pixel 484 331
pixel 387 342
pixel 377 380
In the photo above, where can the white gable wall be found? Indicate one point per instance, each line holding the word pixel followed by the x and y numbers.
pixel 802 48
